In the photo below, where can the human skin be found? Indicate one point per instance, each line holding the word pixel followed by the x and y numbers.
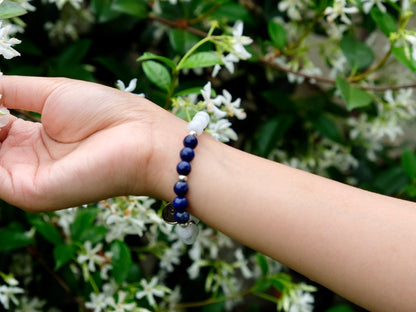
pixel 96 142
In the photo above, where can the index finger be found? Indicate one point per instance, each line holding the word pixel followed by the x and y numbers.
pixel 27 93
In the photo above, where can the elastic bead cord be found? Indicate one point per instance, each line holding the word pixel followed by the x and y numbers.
pixel 176 212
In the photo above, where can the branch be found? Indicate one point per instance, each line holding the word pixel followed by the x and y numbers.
pixel 32 250
pixel 183 24
pixel 180 24
pixel 332 81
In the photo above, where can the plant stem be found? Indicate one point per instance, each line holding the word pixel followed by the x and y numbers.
pixel 212 300
pixel 177 69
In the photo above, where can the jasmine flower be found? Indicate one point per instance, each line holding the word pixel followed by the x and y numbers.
pixel 233 108
pixel 120 305
pixel 31 305
pixel 60 3
pixel 91 256
pixel 150 290
pixel 239 41
pixel 293 8
pixel 339 9
pixel 212 104
pixel 6 43
pixel 368 5
pixel 98 302
pixel 8 293
pixel 228 61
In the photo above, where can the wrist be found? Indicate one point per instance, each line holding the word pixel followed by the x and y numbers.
pixel 156 172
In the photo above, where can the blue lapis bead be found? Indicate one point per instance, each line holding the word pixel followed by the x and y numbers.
pixel 180 203
pixel 181 217
pixel 187 154
pixel 180 188
pixel 183 167
pixel 190 141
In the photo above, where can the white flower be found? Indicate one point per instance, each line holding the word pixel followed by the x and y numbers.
pixel 120 305
pixel 339 9
pixel 26 5
pixel 303 302
pixel 228 61
pixel 110 288
pixel 7 294
pixel 293 8
pixel 98 302
pixel 126 224
pixel 368 4
pixel 91 256
pixel 122 220
pixel 242 263
pixel 150 290
pixel 31 305
pixel 60 3
pixel 104 269
pixel 412 40
pixel 173 299
pixel 239 41
pixel 6 43
pixel 212 104
pixel 171 256
pixel 129 88
pixel 9 279
pixel 233 108
pixel 221 130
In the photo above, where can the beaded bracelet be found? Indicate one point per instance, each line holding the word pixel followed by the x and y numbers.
pixel 175 212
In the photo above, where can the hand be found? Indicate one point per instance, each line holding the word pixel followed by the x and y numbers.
pixel 94 142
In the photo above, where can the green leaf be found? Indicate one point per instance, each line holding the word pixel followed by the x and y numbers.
pixel 391 181
pixel 201 59
pixel 83 221
pixel 131 7
pixel 182 41
pixel 341 308
pixel 157 74
pixel 103 11
pixel 353 96
pixel 47 230
pixel 278 34
pixel 281 281
pixel 404 56
pixel 385 21
pixel 327 128
pixel 263 264
pixel 410 190
pixel 232 12
pixel 150 56
pixel 193 90
pixel 409 163
pixel 122 261
pixel 214 307
pixel 13 239
pixel 62 254
pixel 74 53
pixel 357 53
pixel 9 9
pixel 94 234
pixel 271 132
pixel 262 284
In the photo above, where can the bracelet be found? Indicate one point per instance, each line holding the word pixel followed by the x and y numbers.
pixel 176 211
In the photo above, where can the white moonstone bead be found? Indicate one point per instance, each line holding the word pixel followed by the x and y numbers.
pixel 197 126
pixel 188 234
pixel 203 116
pixel 4 116
pixel 199 122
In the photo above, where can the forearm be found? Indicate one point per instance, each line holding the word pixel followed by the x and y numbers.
pixel 359 244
